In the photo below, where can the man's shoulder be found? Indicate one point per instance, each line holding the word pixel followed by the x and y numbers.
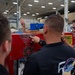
pixel 3 70
pixel 69 48
pixel 39 54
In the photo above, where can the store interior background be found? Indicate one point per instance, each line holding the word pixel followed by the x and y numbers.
pixel 34 11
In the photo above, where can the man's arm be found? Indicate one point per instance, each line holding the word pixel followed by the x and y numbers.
pixel 42 42
pixel 3 70
pixel 36 39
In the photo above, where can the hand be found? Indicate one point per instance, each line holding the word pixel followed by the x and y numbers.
pixel 35 39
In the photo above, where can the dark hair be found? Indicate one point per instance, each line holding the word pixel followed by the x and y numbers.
pixel 55 22
pixel 4 29
pixel 73 21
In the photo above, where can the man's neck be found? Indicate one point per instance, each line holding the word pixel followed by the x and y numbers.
pixel 2 60
pixel 53 39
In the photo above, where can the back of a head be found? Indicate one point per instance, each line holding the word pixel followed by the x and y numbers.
pixel 4 29
pixel 55 23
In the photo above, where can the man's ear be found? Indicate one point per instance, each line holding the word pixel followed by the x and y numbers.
pixel 45 29
pixel 6 46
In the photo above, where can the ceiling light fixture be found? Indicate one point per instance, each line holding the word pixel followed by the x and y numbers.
pixel 15 3
pixel 33 14
pixel 39 18
pixel 42 6
pixel 68 11
pixel 37 13
pixel 36 1
pixel 15 13
pixel 30 5
pixel 46 16
pixel 50 3
pixel 4 12
pixel 7 11
pixel 24 14
pixel 72 1
pixel 54 8
pixel 28 12
pixel 62 5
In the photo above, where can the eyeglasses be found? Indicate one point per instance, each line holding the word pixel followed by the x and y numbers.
pixel 73 28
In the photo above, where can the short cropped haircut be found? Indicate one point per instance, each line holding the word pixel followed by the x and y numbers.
pixel 55 22
pixel 4 29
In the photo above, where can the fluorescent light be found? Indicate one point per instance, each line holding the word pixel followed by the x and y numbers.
pixel 50 3
pixel 42 6
pixel 15 3
pixel 4 12
pixel 39 18
pixel 36 1
pixel 24 14
pixel 73 1
pixel 46 16
pixel 37 13
pixel 33 14
pixel 15 13
pixel 28 12
pixel 68 11
pixel 54 8
pixel 7 11
pixel 30 5
pixel 62 5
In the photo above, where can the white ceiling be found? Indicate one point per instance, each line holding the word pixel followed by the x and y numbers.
pixel 36 8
